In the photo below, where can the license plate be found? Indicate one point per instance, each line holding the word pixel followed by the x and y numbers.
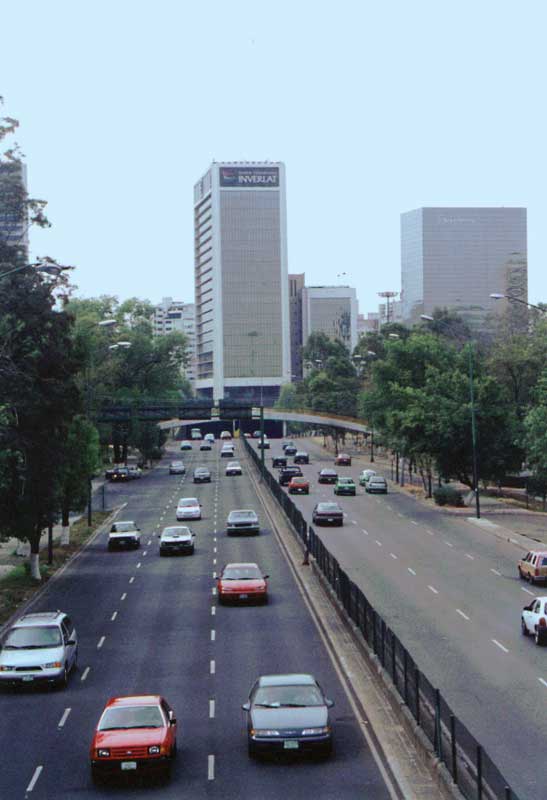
pixel 126 765
pixel 28 678
pixel 291 744
pixel 330 519
pixel 243 596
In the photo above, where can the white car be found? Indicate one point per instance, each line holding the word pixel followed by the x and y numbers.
pixel 177 539
pixel 233 468
pixel 534 620
pixel 227 451
pixel 209 437
pixel 225 435
pixel 188 508
pixel 124 534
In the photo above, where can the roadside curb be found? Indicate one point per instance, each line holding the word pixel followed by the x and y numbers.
pixel 41 591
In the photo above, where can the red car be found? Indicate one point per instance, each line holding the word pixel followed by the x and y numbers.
pixel 299 486
pixel 135 735
pixel 342 460
pixel 242 583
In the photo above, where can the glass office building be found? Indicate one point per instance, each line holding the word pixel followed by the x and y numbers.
pixel 457 257
pixel 241 282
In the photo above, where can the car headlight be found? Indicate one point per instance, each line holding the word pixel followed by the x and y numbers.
pixel 103 752
pixel 6 668
pixel 154 750
pixel 316 731
pixel 53 665
pixel 265 732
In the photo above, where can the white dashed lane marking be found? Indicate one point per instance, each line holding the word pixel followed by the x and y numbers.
pixel 64 718
pixel 213 610
pixel 527 591
pixel 101 642
pixel 449 544
pixel 541 680
pixel 378 543
pixel 211 709
pixel 460 612
pixel 131 579
pixel 411 571
pixel 34 778
pixel 501 647
pixel 393 555
pixel 210 768
pixel 213 635
pixel 495 572
pixel 124 595
pixel 365 532
pixel 472 558
pixel 432 589
pixel 212 667
pixel 85 674
pixel 113 617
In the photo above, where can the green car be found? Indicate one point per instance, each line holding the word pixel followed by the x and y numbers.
pixel 345 486
pixel 365 476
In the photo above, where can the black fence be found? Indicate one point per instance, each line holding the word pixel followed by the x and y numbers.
pixel 472 770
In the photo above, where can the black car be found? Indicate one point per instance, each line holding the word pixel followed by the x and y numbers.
pixel 286 473
pixel 327 514
pixel 288 714
pixel 263 445
pixel 327 476
pixel 290 450
pixel 300 457
pixel 286 444
pixel 279 461
pixel 202 475
pixel 120 474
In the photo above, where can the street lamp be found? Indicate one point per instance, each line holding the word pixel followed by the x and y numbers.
pixel 470 351
pixel 358 362
pixel 513 299
pixel 49 269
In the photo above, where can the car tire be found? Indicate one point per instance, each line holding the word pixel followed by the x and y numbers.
pixel 521 576
pixel 252 752
pixel 62 682
pixel 192 551
pixel 537 638
pixel 523 628
pixel 97 777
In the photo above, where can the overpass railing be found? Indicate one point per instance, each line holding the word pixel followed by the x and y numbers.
pixel 471 768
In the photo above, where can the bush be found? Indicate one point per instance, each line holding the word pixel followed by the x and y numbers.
pixel 447 496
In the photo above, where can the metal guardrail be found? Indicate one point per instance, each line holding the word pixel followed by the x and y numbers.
pixel 472 770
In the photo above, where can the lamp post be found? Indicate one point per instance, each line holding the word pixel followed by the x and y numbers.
pixel 358 362
pixel 513 299
pixel 49 269
pixel 474 445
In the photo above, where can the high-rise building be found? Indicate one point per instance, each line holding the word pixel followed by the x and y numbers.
pixel 241 281
pixel 174 315
pixel 13 210
pixel 457 257
pixel 368 324
pixel 331 309
pixel 296 284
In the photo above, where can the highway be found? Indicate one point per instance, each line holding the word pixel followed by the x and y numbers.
pixel 152 625
pixel 450 591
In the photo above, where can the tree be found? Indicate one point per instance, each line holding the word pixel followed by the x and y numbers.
pixel 80 459
pixel 288 399
pixel 535 426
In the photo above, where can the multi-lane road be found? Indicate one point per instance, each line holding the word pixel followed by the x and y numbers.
pixel 450 591
pixel 153 625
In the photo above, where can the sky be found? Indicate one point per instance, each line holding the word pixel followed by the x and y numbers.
pixel 375 108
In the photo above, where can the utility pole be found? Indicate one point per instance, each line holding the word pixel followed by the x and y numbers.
pixel 262 468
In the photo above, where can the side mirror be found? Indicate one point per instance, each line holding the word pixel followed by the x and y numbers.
pixel 173 721
pixel 329 703
pixel 528 608
pixel 71 642
pixel 246 706
pixel 265 576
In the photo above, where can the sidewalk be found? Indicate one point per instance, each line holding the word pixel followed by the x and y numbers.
pixel 503 518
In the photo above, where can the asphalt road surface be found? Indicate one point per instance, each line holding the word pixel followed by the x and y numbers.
pixel 450 591
pixel 152 625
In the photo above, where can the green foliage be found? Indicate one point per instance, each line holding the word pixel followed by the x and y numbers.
pixel 288 398
pixel 447 496
pixel 535 427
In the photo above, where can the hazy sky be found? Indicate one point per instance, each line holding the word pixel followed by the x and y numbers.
pixel 375 108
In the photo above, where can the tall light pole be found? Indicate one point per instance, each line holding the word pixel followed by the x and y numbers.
pixel 513 299
pixel 474 445
pixel 49 269
pixel 359 366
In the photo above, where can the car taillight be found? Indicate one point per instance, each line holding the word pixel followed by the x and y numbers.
pixel 536 572
pixel 542 622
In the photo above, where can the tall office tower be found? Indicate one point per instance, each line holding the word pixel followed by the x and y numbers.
pixel 13 211
pixel 174 315
pixel 331 309
pixel 241 282
pixel 296 284
pixel 457 257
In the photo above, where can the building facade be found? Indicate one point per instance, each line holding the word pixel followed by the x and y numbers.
pixel 174 315
pixel 241 281
pixel 367 323
pixel 296 285
pixel 13 210
pixel 332 310
pixel 457 257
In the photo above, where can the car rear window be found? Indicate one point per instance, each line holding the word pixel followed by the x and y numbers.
pixel 328 507
pixel 190 502
pixel 123 527
pixel 241 573
pixel 242 515
pixel 277 696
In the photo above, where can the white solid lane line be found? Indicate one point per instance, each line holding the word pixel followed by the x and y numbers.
pixel 432 589
pixel 393 555
pixel 527 591
pixel 101 642
pixel 495 572
pixel 460 612
pixel 212 667
pixel 113 617
pixel 85 673
pixel 124 595
pixel 210 768
pixel 213 634
pixel 211 709
pixel 34 778
pixel 542 681
pixel 64 718
pixel 411 571
pixel 501 647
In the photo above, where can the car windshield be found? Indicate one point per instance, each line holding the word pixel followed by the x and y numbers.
pixel 188 502
pixel 242 515
pixel 277 696
pixel 328 507
pixel 202 471
pixel 174 533
pixel 249 572
pixel 131 717
pixel 123 527
pixel 32 638
pixel 345 480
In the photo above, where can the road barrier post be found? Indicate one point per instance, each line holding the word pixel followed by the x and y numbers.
pixel 453 746
pixel 479 772
pixel 417 690
pixel 438 735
